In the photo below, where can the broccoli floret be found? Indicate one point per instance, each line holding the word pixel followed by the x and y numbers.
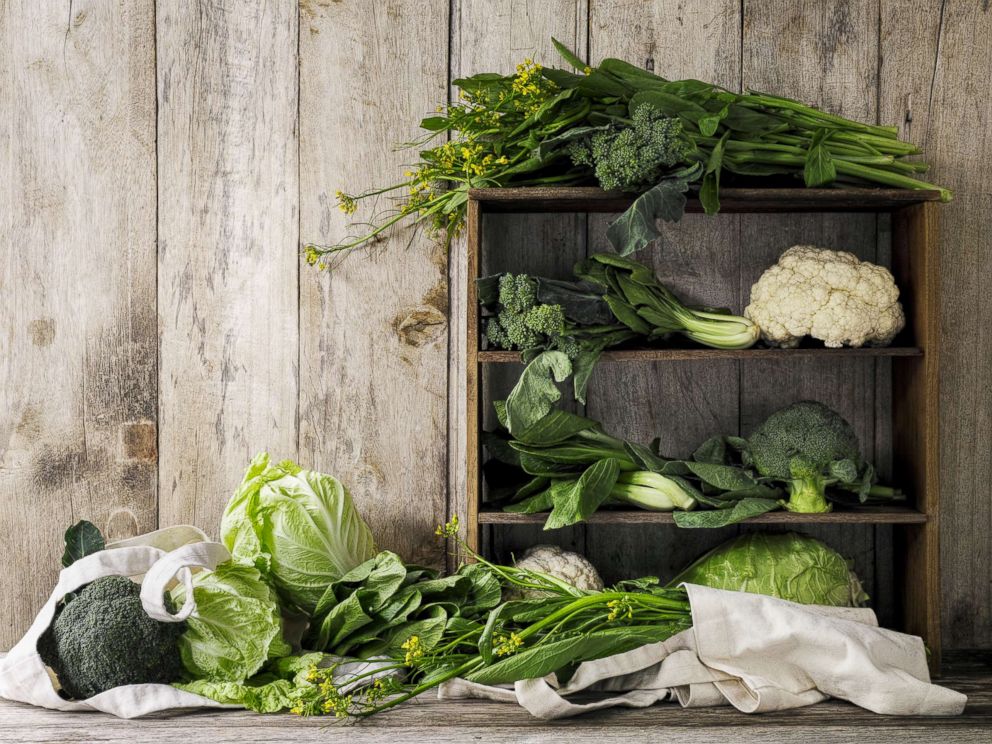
pixel 103 638
pixel 635 157
pixel 522 322
pixel 809 446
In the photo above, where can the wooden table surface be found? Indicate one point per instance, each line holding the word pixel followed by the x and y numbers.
pixel 477 721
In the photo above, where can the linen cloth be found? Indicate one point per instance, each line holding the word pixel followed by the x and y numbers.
pixel 754 652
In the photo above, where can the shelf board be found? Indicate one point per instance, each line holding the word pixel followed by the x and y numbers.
pixel 533 199
pixel 676 355
pixel 862 515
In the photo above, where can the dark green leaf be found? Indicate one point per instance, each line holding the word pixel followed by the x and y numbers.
pixel 709 193
pixel 435 123
pixel 713 450
pixel 538 661
pixel 538 502
pixel 535 393
pixel 636 227
pixel 568 55
pixel 741 511
pixel 583 365
pixel 82 539
pixel 586 496
pixel 555 428
pixel 723 477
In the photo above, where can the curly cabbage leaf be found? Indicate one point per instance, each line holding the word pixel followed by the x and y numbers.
pixel 298 527
pixel 236 627
pixel 790 566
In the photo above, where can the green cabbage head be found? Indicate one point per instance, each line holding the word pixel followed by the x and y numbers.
pixel 298 527
pixel 788 565
pixel 236 627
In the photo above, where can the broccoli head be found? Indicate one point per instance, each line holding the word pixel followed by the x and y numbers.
pixel 634 157
pixel 522 321
pixel 809 446
pixel 103 638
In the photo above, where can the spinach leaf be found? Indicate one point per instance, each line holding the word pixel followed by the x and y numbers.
pixel 819 168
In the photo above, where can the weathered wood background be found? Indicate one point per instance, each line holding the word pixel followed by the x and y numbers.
pixel 161 165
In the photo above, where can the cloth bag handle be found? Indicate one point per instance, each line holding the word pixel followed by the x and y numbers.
pixel 178 563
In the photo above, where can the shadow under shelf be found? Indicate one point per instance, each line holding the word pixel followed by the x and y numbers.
pixel 849 515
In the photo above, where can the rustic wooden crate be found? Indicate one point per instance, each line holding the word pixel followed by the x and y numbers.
pixel 914 367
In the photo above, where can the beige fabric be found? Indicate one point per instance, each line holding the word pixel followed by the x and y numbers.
pixel 754 652
pixel 156 558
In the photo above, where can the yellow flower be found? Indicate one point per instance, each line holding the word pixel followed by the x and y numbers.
pixel 506 645
pixel 620 609
pixel 587 70
pixel 451 528
pixel 346 203
pixel 414 649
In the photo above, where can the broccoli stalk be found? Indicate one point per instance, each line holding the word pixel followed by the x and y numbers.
pixel 807 488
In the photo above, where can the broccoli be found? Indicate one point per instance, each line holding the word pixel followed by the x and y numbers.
pixel 103 638
pixel 634 157
pixel 523 322
pixel 809 446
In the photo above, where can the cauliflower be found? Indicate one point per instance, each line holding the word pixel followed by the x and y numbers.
pixel 829 295
pixel 562 564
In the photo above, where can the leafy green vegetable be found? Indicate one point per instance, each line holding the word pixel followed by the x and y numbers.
pixel 274 690
pixel 735 512
pixel 628 129
pixel 236 628
pixel 790 566
pixel 82 539
pixel 562 328
pixel 298 527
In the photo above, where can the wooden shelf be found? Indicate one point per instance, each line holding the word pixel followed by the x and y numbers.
pixel 680 355
pixel 912 397
pixel 863 515
pixel 537 199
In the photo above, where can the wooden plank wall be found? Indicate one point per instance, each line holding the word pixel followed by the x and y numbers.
pixel 162 163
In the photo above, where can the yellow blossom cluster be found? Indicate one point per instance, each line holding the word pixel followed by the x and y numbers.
pixel 414 650
pixel 620 609
pixel 507 644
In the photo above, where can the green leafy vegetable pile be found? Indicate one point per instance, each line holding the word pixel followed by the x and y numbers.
pixel 562 328
pixel 627 129
pixel 550 460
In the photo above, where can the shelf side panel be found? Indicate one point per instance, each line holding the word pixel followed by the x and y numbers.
pixel 915 401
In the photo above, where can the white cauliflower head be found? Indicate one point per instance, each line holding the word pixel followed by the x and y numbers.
pixel 829 295
pixel 562 564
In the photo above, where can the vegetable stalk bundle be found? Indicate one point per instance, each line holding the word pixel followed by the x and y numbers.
pixel 629 130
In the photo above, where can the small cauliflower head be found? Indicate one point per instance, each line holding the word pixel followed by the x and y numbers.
pixel 562 564
pixel 829 295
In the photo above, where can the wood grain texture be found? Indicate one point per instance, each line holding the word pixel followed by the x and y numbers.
pixel 77 284
pixel 935 83
pixel 698 258
pixel 823 53
pixel 374 330
pixel 861 515
pixel 792 199
pixel 496 36
pixel 497 356
pixel 228 227
pixel 456 722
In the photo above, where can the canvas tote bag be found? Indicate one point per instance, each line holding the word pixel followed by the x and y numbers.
pixel 157 558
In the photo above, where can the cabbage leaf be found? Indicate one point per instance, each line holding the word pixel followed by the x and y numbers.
pixel 298 527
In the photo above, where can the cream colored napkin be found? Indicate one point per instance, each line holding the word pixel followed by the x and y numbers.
pixel 754 652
